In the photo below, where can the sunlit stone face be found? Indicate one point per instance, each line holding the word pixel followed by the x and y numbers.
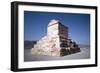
pixel 53 29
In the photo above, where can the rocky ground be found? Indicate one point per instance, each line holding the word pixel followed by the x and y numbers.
pixel 84 54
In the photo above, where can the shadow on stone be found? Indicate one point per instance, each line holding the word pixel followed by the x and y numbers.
pixel 64 52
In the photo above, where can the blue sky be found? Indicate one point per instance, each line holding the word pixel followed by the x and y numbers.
pixel 35 25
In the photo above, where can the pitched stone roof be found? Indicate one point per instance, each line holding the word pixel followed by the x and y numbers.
pixel 54 21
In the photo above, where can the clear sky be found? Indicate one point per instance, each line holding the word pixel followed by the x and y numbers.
pixel 35 25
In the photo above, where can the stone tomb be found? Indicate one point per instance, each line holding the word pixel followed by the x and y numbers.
pixel 56 42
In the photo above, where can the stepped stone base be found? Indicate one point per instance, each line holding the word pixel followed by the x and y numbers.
pixel 50 46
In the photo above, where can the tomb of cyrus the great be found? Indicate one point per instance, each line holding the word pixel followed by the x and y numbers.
pixel 56 42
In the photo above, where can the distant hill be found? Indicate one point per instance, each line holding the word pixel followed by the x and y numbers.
pixel 83 45
pixel 29 44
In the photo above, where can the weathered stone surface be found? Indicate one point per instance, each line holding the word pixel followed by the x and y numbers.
pixel 56 42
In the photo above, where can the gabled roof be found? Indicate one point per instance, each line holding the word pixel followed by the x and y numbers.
pixel 52 22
